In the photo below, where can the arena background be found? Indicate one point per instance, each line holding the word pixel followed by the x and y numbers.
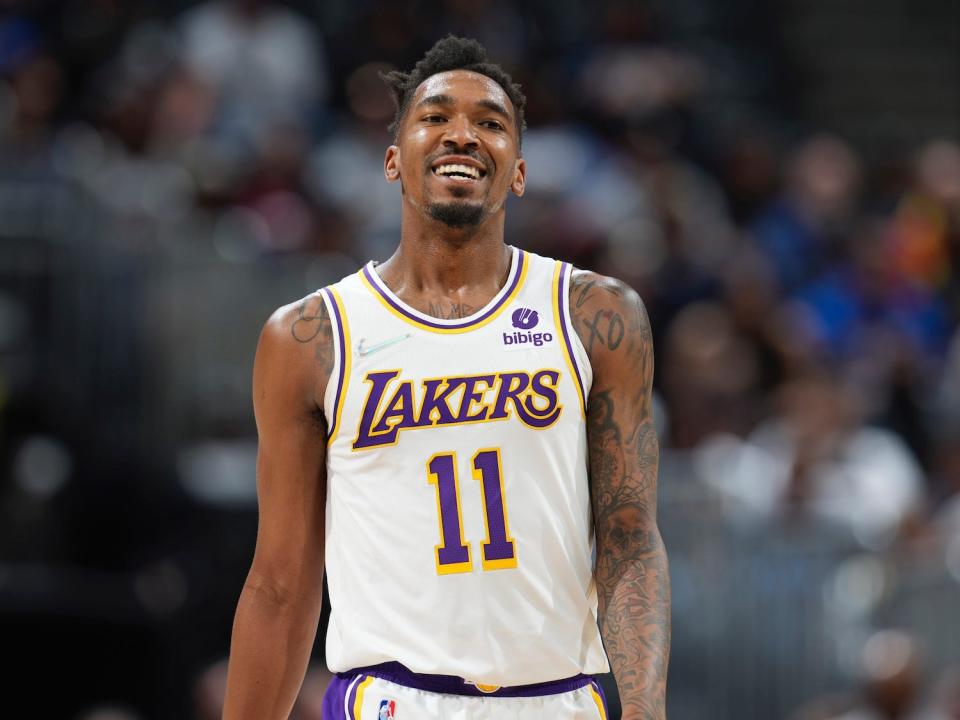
pixel 779 180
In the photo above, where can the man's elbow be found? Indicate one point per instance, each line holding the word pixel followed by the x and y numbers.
pixel 277 591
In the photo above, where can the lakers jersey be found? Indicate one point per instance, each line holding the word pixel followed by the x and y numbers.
pixel 458 527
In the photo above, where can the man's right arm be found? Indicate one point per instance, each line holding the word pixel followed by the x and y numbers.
pixel 279 608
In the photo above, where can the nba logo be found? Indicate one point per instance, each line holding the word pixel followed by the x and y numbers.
pixel 387 710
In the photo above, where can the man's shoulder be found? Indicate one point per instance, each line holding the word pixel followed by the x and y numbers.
pixel 296 347
pixel 593 296
pixel 588 286
pixel 298 338
pixel 606 312
pixel 302 321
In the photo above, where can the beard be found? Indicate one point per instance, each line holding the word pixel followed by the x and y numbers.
pixel 456 214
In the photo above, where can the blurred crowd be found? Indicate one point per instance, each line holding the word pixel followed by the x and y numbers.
pixel 805 298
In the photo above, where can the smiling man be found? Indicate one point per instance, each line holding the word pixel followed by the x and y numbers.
pixel 462 436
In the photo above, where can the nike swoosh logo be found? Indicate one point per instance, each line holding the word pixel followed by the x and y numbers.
pixel 364 350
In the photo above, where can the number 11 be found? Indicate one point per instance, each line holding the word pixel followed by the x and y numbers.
pixel 498 550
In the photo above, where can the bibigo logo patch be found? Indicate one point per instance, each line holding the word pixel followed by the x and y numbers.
pixel 525 318
pixel 521 336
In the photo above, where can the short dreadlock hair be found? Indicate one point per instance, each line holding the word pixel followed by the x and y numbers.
pixel 451 53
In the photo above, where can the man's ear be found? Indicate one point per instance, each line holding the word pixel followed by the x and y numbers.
pixel 519 182
pixel 391 164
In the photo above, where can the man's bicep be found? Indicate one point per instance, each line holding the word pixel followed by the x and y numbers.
pixel 289 376
pixel 622 441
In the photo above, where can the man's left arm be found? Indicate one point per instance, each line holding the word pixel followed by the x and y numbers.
pixel 633 582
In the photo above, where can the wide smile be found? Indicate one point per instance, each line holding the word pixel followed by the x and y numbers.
pixel 459 173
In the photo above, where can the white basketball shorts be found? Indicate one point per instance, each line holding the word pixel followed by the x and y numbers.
pixel 392 692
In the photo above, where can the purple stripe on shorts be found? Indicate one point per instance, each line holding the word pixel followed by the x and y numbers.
pixel 343 360
pixel 352 699
pixel 375 283
pixel 562 303
pixel 603 696
pixel 452 685
pixel 334 696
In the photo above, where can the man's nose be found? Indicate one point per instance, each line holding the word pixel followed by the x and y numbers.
pixel 460 132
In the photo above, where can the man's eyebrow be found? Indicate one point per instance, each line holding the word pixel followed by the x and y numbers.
pixel 436 100
pixel 449 100
pixel 495 106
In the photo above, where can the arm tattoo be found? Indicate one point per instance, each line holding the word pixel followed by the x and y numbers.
pixel 312 324
pixel 607 328
pixel 633 584
pixel 632 576
pixel 584 292
pixel 311 319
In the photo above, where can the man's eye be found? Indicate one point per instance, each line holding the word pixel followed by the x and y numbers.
pixel 434 118
pixel 492 124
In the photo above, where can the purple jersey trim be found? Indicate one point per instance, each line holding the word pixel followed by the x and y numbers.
pixel 452 685
pixel 341 344
pixel 377 284
pixel 563 303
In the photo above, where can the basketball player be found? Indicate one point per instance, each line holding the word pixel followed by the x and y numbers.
pixel 450 432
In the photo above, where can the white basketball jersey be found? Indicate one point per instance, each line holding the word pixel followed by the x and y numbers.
pixel 458 529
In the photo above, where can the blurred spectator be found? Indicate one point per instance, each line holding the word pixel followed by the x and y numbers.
pixel 689 209
pixel 947 402
pixel 184 112
pixel 892 678
pixel 816 457
pixel 345 170
pixel 37 85
pixel 751 294
pixel 749 171
pixel 672 226
pixel 862 306
pixel 926 224
pixel 945 703
pixel 946 481
pixel 265 63
pixel 710 376
pixel 799 231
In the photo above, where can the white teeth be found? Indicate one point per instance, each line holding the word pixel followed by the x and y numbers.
pixel 462 169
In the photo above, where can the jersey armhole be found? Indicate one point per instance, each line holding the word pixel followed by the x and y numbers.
pixel 576 354
pixel 336 389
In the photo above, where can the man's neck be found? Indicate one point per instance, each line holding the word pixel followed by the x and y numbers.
pixel 435 260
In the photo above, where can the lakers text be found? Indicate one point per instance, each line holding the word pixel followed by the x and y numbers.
pixel 394 404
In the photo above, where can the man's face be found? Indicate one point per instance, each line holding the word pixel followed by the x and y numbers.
pixel 458 151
